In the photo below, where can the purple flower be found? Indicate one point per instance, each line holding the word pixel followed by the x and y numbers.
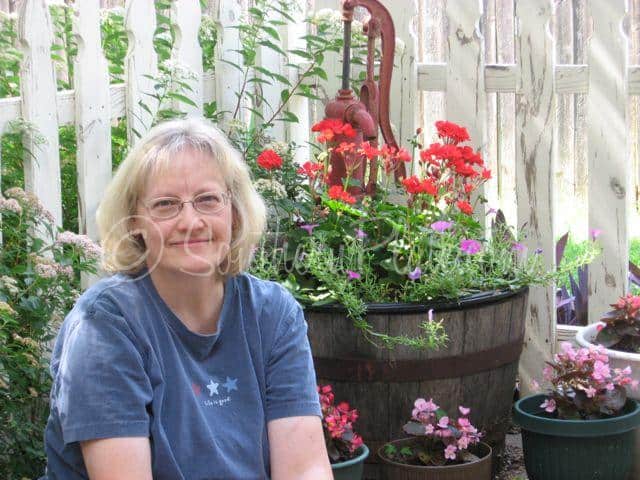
pixel 309 227
pixel 360 234
pixel 595 233
pixel 518 247
pixel 416 274
pixel 549 405
pixel 538 251
pixel 491 210
pixel 440 226
pixel 353 275
pixel 470 247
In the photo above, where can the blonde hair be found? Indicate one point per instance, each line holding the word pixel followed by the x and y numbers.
pixel 123 251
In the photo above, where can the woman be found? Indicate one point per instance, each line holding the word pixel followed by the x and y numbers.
pixel 181 366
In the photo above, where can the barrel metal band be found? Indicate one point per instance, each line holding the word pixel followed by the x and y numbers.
pixel 366 370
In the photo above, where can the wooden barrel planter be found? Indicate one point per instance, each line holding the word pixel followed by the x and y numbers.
pixel 477 369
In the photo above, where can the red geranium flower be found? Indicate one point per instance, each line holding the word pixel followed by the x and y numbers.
pixel 452 132
pixel 330 127
pixel 336 192
pixel 465 207
pixel 310 169
pixel 413 185
pixel 269 160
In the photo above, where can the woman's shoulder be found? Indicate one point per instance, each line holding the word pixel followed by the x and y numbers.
pixel 115 293
pixel 263 293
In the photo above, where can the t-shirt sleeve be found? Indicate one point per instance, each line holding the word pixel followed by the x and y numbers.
pixel 290 376
pixel 102 389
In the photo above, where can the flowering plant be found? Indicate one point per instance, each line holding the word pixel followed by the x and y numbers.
pixel 337 423
pixel 583 386
pixel 443 440
pixel 334 238
pixel 621 325
pixel 40 270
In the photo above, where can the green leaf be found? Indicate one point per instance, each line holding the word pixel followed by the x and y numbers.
pixel 272 32
pixel 289 117
pixel 284 95
pixel 272 46
pixel 182 98
pixel 302 53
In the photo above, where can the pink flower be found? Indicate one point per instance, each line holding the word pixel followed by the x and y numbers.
pixel 428 429
pixel 634 384
pixel 420 404
pixel 463 442
pixel 518 247
pixel 415 274
pixel 444 422
pixel 547 372
pixel 360 234
pixel 309 227
pixel 441 226
pixel 535 385
pixel 600 371
pixel 450 452
pixel 549 405
pixel 595 233
pixel 591 392
pixel 463 410
pixel 353 275
pixel 470 247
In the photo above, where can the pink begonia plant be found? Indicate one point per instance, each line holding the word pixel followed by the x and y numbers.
pixel 443 440
pixel 583 385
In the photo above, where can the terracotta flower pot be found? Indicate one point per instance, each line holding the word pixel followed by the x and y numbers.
pixel 351 469
pixel 476 470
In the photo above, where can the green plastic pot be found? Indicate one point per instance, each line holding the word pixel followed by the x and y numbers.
pixel 476 470
pixel 351 469
pixel 586 449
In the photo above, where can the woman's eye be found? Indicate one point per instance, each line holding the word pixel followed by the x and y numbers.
pixel 164 203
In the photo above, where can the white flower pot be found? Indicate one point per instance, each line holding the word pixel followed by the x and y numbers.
pixel 585 338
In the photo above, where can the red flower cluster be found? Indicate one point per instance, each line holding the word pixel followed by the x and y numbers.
pixel 336 192
pixel 629 304
pixel 337 423
pixel 310 169
pixel 414 186
pixel 269 160
pixel 329 128
pixel 452 132
pixel 449 171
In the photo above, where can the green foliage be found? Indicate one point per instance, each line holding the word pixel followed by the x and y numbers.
pixel 64 48
pixel 9 57
pixel 114 42
pixel 39 281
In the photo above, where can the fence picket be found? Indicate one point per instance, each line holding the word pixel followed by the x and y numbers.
pixel 534 176
pixel 298 105
pixel 404 88
pixel 93 115
pixel 466 100
pixel 228 78
pixel 608 154
pixel 141 67
pixel 186 16
pixel 38 102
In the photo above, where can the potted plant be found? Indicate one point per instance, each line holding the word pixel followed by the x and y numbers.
pixel 440 448
pixel 619 333
pixel 346 450
pixel 583 426
pixel 406 263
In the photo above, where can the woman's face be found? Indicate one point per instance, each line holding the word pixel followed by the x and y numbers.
pixel 192 242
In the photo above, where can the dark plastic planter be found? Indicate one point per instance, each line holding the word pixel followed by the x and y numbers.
pixel 586 449
pixel 478 470
pixel 351 469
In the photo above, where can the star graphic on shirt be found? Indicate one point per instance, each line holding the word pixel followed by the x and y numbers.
pixel 213 388
pixel 231 384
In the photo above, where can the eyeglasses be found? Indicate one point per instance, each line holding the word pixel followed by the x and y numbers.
pixel 166 208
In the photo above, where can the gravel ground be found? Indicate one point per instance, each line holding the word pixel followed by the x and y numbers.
pixel 513 463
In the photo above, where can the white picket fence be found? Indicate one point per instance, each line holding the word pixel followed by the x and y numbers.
pixel 465 79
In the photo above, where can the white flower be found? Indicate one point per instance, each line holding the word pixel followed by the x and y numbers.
pixel 88 247
pixel 11 205
pixel 274 187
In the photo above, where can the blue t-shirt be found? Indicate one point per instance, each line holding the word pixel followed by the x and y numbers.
pixel 125 365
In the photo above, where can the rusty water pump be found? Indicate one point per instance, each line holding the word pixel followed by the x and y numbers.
pixel 371 110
